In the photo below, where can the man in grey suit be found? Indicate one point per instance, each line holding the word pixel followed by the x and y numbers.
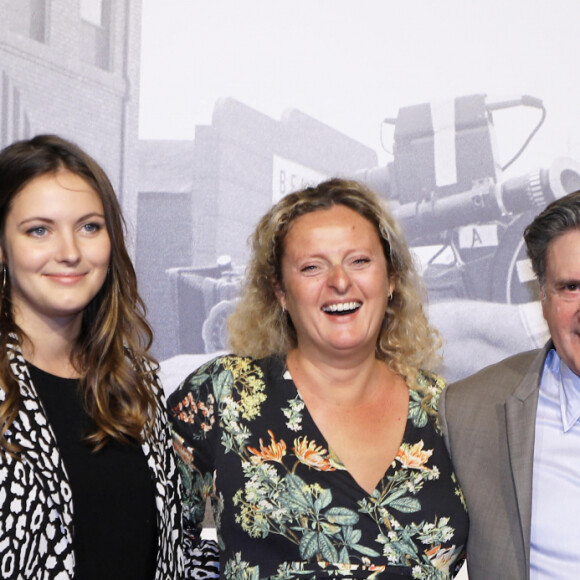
pixel 513 429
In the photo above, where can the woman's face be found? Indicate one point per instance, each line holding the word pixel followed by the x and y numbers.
pixel 335 282
pixel 56 249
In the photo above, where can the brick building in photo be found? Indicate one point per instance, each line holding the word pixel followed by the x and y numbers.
pixel 71 67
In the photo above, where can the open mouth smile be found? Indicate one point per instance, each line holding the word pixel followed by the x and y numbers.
pixel 343 308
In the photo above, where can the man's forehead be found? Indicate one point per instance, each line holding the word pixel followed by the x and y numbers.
pixel 564 250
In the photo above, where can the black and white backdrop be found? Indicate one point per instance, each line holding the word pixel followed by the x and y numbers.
pixel 463 115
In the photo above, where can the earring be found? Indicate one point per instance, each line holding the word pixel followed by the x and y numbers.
pixel 390 296
pixel 283 309
pixel 4 276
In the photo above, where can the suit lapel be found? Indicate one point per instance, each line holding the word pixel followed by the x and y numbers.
pixel 520 411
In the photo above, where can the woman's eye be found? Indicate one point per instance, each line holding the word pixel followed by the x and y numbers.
pixel 309 268
pixel 92 227
pixel 361 261
pixel 37 231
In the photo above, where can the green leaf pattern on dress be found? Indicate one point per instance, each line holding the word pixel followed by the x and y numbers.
pixel 275 500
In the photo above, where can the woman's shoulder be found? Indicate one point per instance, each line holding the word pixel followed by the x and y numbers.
pixel 232 363
pixel 223 371
pixel 430 386
pixel 424 399
pixel 430 380
pixel 19 370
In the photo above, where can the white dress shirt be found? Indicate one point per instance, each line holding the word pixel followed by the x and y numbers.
pixel 555 534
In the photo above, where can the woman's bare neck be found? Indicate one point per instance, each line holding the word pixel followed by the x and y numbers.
pixel 48 344
pixel 341 382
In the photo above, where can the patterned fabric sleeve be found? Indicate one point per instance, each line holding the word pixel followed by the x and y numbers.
pixel 192 412
pixel 433 386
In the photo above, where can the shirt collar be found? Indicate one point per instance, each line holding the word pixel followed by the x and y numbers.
pixel 568 387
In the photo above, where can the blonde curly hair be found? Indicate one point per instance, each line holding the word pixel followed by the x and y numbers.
pixel 259 327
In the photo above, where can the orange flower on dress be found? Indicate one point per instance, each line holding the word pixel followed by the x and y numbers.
pixel 187 409
pixel 413 456
pixel 273 452
pixel 183 409
pixel 441 558
pixel 312 455
pixel 184 453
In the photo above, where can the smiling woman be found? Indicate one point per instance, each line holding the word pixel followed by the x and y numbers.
pixel 58 249
pixel 335 285
pixel 83 433
pixel 318 441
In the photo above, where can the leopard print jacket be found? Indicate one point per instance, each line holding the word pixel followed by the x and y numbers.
pixel 36 502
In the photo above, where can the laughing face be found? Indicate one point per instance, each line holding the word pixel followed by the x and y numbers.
pixel 335 283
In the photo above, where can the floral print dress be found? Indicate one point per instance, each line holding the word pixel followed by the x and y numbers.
pixel 284 505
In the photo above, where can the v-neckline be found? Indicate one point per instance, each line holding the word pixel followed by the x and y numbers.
pixel 315 429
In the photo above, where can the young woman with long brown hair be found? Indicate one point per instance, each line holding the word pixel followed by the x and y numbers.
pixel 88 484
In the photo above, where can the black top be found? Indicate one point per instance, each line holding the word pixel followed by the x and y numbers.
pixel 114 515
pixel 284 504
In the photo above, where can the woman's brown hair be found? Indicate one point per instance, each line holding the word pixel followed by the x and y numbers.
pixel 111 351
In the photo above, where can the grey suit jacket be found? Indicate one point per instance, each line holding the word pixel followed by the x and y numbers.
pixel 489 425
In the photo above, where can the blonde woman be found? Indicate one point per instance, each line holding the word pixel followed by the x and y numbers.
pixel 318 441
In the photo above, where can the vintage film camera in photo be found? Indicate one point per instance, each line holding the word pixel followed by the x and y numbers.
pixel 461 214
pixel 447 187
